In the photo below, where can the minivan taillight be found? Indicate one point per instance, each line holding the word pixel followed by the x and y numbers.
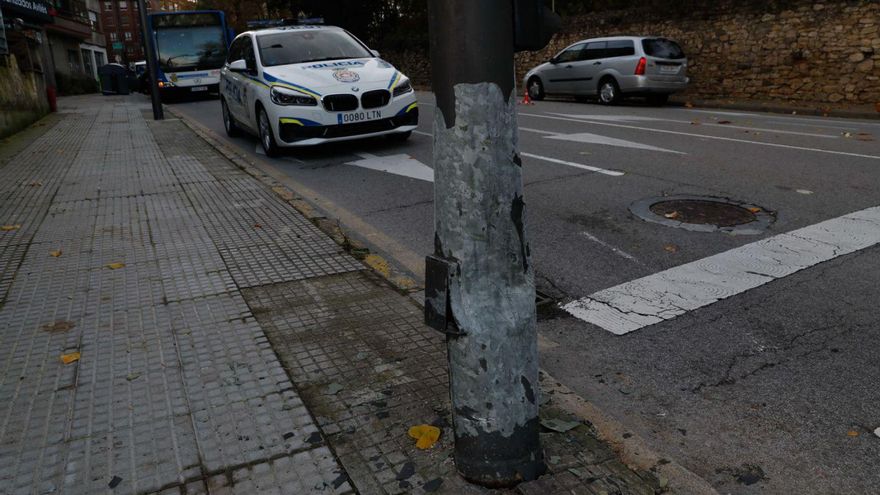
pixel 640 69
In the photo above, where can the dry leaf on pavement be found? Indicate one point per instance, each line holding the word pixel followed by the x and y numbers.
pixel 426 435
pixel 670 248
pixel 688 104
pixel 852 433
pixel 672 215
pixel 55 254
pixel 115 266
pixel 70 357
pixel 724 122
pixel 7 228
pixel 754 209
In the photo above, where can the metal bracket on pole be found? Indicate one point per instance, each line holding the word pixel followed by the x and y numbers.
pixel 438 311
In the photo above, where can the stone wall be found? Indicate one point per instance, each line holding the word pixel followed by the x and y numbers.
pixel 22 98
pixel 807 51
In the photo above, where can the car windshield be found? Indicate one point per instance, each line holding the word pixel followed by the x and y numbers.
pixel 298 47
pixel 662 48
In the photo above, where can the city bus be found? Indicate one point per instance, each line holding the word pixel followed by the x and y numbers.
pixel 190 49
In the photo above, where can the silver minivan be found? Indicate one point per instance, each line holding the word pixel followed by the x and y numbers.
pixel 611 69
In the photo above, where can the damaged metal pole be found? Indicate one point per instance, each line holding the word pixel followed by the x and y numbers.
pixel 483 294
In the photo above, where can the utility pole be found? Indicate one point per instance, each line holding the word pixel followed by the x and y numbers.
pixel 152 66
pixel 480 287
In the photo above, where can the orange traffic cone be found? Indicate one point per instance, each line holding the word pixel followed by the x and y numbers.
pixel 526 100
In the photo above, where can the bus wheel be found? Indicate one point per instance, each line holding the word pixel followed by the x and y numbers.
pixel 232 130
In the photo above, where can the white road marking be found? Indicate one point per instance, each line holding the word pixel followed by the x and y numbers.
pixel 674 292
pixel 704 136
pixel 537 131
pixel 619 252
pixel 610 118
pixel 730 114
pixel 613 173
pixel 403 165
pixel 708 124
pixel 586 137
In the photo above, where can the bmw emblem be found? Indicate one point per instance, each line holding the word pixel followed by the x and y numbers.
pixel 355 89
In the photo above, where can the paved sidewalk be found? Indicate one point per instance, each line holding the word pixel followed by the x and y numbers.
pixel 225 344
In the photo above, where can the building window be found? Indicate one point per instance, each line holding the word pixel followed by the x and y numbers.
pixel 113 37
pixel 123 5
pixel 93 20
pixel 127 36
pixel 87 61
pixel 99 59
pixel 73 61
pixel 108 6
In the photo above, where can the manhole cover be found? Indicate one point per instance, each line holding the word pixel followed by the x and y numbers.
pixel 704 214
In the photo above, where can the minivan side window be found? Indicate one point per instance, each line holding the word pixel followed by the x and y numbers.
pixel 620 48
pixel 594 50
pixel 662 48
pixel 570 54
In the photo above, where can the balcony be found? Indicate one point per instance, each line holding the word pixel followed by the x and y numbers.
pixel 71 19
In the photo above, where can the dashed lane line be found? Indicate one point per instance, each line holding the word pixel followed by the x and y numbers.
pixel 671 293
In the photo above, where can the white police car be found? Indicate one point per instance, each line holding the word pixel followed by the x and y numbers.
pixel 306 85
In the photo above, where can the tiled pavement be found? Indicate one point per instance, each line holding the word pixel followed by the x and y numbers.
pixel 238 350
pixel 177 388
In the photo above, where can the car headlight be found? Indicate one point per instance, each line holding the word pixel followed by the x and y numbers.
pixel 166 84
pixel 403 88
pixel 288 97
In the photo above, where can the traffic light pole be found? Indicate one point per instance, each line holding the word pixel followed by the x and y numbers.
pixel 152 66
pixel 487 304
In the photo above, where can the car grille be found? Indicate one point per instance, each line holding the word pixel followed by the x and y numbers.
pixel 375 99
pixel 340 103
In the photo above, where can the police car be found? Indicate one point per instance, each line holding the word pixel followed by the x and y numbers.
pixel 306 85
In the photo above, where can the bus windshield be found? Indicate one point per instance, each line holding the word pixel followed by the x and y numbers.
pixel 190 41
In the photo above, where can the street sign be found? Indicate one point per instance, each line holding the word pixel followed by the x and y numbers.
pixel 117 45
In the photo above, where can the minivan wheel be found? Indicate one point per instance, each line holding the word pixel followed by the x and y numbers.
pixel 265 132
pixel 609 92
pixel 536 89
pixel 658 100
pixel 232 130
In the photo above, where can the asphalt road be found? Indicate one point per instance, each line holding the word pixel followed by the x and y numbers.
pixel 775 389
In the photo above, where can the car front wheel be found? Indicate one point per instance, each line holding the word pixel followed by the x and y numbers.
pixel 536 89
pixel 267 139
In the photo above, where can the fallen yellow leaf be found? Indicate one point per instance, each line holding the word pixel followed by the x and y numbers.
pixel 671 248
pixel 754 210
pixel 426 435
pixel 7 228
pixel 852 433
pixel 70 357
pixel 115 266
pixel 55 254
pixel 671 215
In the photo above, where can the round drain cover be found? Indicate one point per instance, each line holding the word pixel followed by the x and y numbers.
pixel 704 214
pixel 700 211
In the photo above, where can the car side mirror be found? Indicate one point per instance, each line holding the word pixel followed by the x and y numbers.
pixel 238 66
pixel 375 53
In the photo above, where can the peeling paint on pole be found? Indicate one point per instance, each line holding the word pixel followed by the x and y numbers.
pixel 479 222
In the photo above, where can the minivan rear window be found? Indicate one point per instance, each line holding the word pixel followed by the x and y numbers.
pixel 662 48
